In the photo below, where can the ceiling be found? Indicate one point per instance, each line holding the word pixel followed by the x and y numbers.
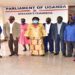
pixel 35 2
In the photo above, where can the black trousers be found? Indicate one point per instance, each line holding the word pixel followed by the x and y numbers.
pixel 47 40
pixel 12 42
pixel 70 47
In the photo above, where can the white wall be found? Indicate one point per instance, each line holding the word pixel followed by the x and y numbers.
pixel 54 13
pixel 28 18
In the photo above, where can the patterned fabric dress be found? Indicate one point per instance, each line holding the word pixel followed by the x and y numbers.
pixel 36 35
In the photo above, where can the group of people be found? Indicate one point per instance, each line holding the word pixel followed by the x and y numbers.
pixel 41 37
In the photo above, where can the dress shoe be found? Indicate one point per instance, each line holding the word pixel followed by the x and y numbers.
pixel 52 52
pixel 24 50
pixel 68 55
pixel 33 55
pixel 0 56
pixel 16 54
pixel 43 55
pixel 74 60
pixel 74 55
pixel 56 53
pixel 64 54
pixel 11 54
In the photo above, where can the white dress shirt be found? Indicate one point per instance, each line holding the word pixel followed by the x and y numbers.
pixel 59 27
pixel 47 27
pixel 11 27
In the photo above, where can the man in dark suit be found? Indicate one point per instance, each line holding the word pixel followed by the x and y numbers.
pixel 0 39
pixel 59 36
pixel 48 39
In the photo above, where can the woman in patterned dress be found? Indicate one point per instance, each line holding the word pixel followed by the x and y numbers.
pixel 36 32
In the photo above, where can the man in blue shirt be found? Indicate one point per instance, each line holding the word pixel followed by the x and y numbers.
pixel 69 37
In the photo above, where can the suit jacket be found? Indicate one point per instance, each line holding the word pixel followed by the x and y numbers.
pixel 15 30
pixel 61 31
pixel 0 30
pixel 51 34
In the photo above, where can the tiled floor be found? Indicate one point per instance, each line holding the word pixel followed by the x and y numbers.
pixel 35 65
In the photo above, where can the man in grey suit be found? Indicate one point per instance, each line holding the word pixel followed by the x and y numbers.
pixel 11 33
pixel 59 36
